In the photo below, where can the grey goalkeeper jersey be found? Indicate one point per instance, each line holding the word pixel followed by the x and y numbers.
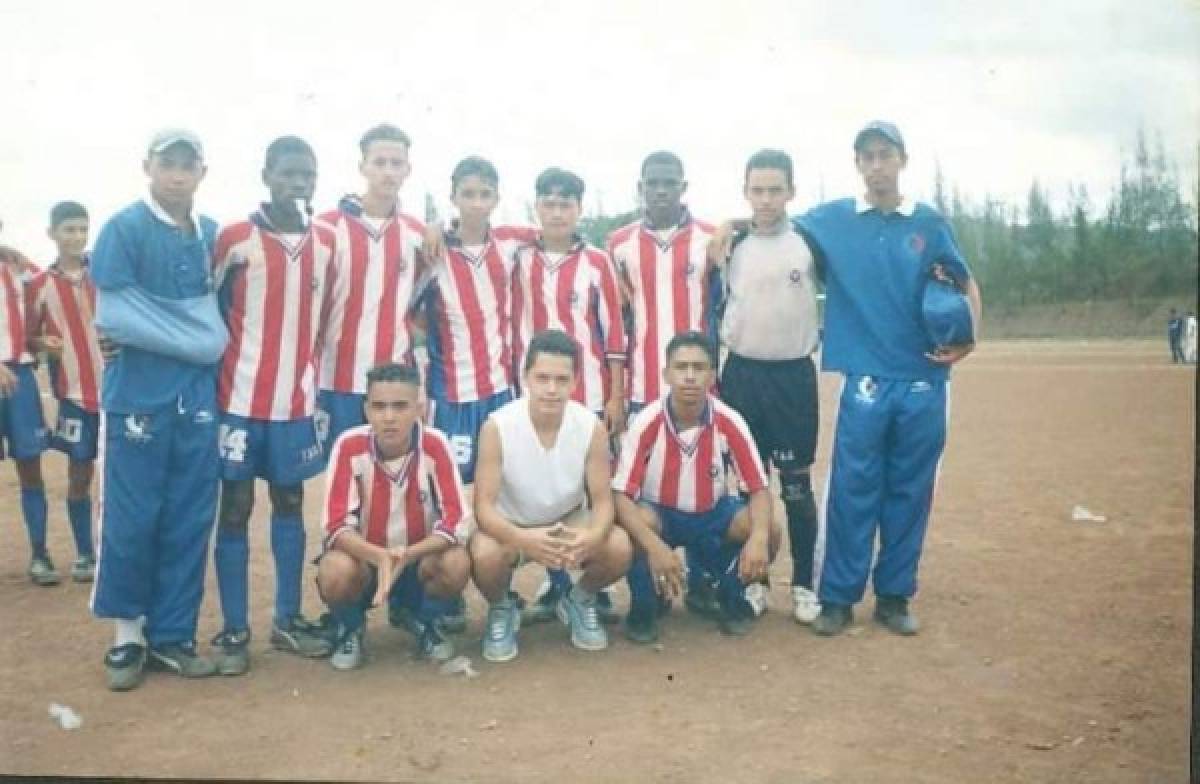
pixel 771 312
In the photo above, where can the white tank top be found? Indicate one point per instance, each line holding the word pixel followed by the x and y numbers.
pixel 539 486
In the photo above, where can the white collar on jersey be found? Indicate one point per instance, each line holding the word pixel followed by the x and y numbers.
pixel 905 207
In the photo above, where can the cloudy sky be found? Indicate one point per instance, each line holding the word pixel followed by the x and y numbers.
pixel 999 93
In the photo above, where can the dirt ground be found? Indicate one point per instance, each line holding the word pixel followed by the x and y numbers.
pixel 1052 650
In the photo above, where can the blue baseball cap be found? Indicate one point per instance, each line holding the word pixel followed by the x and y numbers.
pixel 946 313
pixel 879 128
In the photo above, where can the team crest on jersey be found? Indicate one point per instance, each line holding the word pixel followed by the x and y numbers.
pixel 796 276
pixel 713 473
pixel 916 243
pixel 316 284
pixel 690 269
pixel 137 428
pixel 866 390
pixel 422 496
pixel 574 297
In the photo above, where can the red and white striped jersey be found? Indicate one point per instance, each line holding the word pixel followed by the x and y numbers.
pixel 378 274
pixel 578 295
pixel 63 306
pixel 275 296
pixel 665 281
pixel 399 502
pixel 687 470
pixel 15 273
pixel 468 317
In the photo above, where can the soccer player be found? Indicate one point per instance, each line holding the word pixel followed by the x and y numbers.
pixel 770 329
pixel 22 429
pixel 668 286
pixel 563 283
pixel 395 519
pixel 542 494
pixel 62 300
pixel 1175 336
pixel 880 250
pixel 152 269
pixel 467 310
pixel 273 273
pixel 378 268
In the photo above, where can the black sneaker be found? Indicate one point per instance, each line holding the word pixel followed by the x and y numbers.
pixel 736 618
pixel 180 658
pixel 124 666
pixel 455 619
pixel 833 620
pixel 301 637
pixel 892 612
pixel 432 644
pixel 641 625
pixel 233 652
pixel 701 600
pixel 604 608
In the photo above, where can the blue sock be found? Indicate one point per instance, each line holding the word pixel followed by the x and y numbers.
pixel 33 507
pixel 79 512
pixel 696 573
pixel 641 584
pixel 232 556
pixel 350 617
pixel 287 545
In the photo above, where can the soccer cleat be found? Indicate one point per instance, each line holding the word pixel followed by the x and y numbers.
pixel 892 612
pixel 455 619
pixel 832 620
pixel 757 597
pixel 805 607
pixel 84 569
pixel 181 659
pixel 348 655
pixel 432 644
pixel 701 600
pixel 543 608
pixel 125 666
pixel 583 619
pixel 42 571
pixel 641 625
pixel 301 637
pixel 500 634
pixel 233 652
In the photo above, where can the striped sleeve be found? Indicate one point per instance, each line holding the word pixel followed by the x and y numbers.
pixel 342 501
pixel 452 514
pixel 608 307
pixel 742 450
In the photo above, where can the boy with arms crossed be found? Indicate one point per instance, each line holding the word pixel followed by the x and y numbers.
pixel 273 273
pixel 61 303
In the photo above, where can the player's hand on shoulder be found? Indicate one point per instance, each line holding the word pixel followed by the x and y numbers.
pixel 433 243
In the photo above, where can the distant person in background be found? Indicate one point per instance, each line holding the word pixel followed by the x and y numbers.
pixel 1189 337
pixel 1175 335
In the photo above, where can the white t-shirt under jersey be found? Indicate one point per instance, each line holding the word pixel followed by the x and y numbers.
pixel 539 486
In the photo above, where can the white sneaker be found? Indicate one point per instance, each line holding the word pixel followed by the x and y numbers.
pixel 805 606
pixel 348 655
pixel 757 596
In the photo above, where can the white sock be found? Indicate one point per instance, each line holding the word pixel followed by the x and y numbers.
pixel 130 631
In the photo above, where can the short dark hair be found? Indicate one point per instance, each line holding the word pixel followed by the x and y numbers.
pixel 385 132
pixel 662 157
pixel 66 210
pixel 474 166
pixel 692 338
pixel 287 145
pixel 394 371
pixel 552 341
pixel 771 159
pixel 568 184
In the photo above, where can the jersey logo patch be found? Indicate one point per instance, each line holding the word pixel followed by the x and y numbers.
pixel 136 426
pixel 866 390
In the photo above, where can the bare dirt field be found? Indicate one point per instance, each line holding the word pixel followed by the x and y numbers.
pixel 1052 650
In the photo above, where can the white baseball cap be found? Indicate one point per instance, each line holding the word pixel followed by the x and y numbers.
pixel 168 137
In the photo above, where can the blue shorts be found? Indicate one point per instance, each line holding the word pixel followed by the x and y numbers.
pixel 336 413
pixel 283 453
pixel 461 423
pixel 76 433
pixel 685 529
pixel 22 427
